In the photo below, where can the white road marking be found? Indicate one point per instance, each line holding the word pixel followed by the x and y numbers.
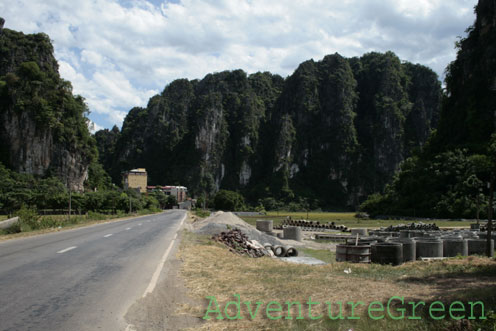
pixel 140 224
pixel 66 249
pixel 156 274
pixel 107 235
pixel 128 228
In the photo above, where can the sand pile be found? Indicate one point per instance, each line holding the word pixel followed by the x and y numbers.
pixel 221 222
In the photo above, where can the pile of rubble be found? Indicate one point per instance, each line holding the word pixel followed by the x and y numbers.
pixel 239 243
pixel 412 226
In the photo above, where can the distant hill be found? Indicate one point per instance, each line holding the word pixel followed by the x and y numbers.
pixel 326 136
pixel 449 177
pixel 43 128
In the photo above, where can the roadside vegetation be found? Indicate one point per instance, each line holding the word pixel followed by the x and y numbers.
pixel 210 270
pixel 31 222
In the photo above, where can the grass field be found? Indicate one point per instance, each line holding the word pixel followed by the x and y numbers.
pixel 347 219
pixel 210 270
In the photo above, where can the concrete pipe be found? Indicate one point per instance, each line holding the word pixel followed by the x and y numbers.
pixel 387 253
pixel 352 253
pixel 429 248
pixel 483 235
pixel 265 225
pixel 267 246
pixel 291 251
pixel 474 226
pixel 455 246
pixel 279 251
pixel 409 248
pixel 478 247
pixel 293 233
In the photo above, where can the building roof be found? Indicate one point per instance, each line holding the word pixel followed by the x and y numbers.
pixel 138 170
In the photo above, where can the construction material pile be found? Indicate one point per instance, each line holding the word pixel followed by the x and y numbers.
pixel 239 243
pixel 221 222
pixel 311 225
pixel 412 226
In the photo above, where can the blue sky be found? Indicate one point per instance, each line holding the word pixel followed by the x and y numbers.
pixel 118 54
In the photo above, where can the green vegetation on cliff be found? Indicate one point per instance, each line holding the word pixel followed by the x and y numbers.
pixel 326 136
pixel 43 125
pixel 449 176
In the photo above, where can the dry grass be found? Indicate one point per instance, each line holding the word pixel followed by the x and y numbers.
pixel 209 269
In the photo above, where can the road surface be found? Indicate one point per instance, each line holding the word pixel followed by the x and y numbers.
pixel 85 278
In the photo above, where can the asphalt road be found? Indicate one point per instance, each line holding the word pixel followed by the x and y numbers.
pixel 85 278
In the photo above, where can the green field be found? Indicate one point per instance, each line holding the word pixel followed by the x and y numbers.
pixel 347 219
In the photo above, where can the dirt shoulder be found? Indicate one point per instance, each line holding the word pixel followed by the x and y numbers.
pixel 204 275
pixel 168 306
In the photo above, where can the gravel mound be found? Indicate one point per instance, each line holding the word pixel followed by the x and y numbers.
pixel 221 222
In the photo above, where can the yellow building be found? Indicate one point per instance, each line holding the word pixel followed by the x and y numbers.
pixel 137 179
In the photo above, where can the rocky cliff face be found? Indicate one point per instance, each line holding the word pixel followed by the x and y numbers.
pixel 43 128
pixel 447 178
pixel 468 115
pixel 331 133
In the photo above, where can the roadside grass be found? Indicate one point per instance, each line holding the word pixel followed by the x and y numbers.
pixel 347 219
pixel 210 270
pixel 201 213
pixel 3 217
pixel 32 223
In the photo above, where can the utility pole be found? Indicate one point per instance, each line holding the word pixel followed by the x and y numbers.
pixel 70 202
pixel 70 196
pixel 490 214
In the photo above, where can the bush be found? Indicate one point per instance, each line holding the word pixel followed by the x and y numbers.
pixel 96 216
pixel 375 204
pixel 28 219
pixel 171 202
pixel 229 201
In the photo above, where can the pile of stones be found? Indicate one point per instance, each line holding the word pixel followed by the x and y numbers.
pixel 239 243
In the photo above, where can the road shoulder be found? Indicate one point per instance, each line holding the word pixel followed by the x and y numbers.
pixel 163 309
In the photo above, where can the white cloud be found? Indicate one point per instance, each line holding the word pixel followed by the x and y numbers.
pixel 93 127
pixel 118 54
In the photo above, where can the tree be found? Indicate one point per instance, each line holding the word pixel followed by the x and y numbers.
pixel 171 201
pixel 492 182
pixel 228 201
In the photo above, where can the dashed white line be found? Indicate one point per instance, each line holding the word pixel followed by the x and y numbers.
pixel 66 249
pixel 128 228
pixel 107 235
pixel 140 224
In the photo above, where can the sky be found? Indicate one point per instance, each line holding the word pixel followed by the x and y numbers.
pixel 119 53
